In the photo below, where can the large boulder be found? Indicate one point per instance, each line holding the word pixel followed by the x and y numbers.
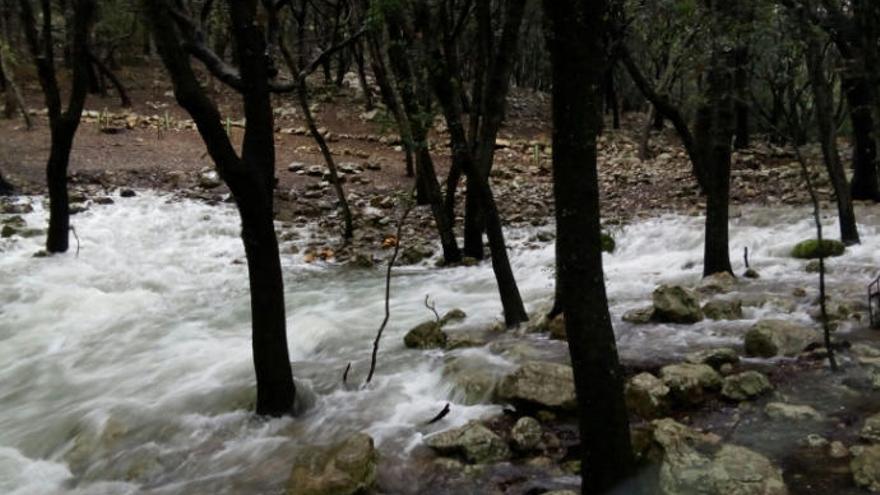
pixel 866 468
pixel 346 468
pixel 473 441
pixel 745 386
pixel 647 395
pixel 723 309
pixel 695 463
pixel 810 249
pixel 540 383
pixel 427 335
pixel 768 338
pixel 675 304
pixel 688 383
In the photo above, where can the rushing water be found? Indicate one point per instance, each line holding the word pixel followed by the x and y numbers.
pixel 127 368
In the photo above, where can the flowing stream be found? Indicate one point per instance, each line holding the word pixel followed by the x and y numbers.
pixel 127 368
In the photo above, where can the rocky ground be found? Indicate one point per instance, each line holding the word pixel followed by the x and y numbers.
pixel 713 424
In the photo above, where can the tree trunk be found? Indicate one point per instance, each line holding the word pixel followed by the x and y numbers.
pixel 823 104
pixel 865 183
pixel 574 37
pixel 57 240
pixel 743 132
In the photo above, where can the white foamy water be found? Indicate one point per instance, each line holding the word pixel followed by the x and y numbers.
pixel 128 369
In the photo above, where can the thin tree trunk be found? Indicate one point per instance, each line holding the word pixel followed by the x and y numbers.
pixel 125 101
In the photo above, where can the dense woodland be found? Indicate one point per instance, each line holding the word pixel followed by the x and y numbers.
pixel 710 81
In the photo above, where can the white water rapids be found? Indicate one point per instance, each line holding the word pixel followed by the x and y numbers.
pixel 127 369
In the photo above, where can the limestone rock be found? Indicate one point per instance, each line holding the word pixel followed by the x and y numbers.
pixel 639 315
pixel 545 384
pixel 675 304
pixel 791 412
pixel 768 338
pixel 473 441
pixel 866 468
pixel 723 309
pixel 526 433
pixel 346 468
pixel 717 283
pixel 715 358
pixel 427 335
pixel 745 386
pixel 647 395
pixel 688 383
pixel 871 429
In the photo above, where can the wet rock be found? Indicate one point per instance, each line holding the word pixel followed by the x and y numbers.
pixel 125 193
pixel 452 316
pixel 813 440
pixel 768 338
pixel 688 383
pixel 866 468
pixel 723 309
pixel 745 386
pixel 556 328
pixel 427 335
pixel 639 315
pixel 810 249
pixel 717 283
pixel 791 412
pixel 473 441
pixel 545 384
pixel 697 463
pixel 647 396
pixel 10 208
pixel 474 380
pixel 462 340
pixel 415 254
pixel 715 358
pixel 675 304
pixel 751 273
pixel 346 468
pixel 526 434
pixel 871 429
pixel 209 179
pixel 608 243
pixel 837 450
pixel 813 267
pixel 362 260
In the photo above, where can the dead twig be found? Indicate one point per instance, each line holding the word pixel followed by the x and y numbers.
pixel 432 307
pixel 77 240
pixel 442 414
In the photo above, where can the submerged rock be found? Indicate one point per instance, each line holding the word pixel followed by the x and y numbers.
pixel 688 382
pixel 810 249
pixel 453 316
pixel 723 309
pixel 427 335
pixel 537 382
pixel 866 468
pixel 745 386
pixel 698 463
pixel 473 441
pixel 346 468
pixel 474 380
pixel 647 396
pixel 675 304
pixel 768 338
pixel 791 412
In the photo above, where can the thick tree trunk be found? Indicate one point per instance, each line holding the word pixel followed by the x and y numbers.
pixel 865 183
pixel 574 38
pixel 823 104
pixel 57 240
pixel 742 133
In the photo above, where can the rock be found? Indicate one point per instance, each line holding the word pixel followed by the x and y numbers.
pixel 639 315
pixel 556 327
pixel 8 231
pixel 647 396
pixel 296 167
pixel 751 273
pixel 675 304
pixel 745 386
pixel 809 249
pixel 209 179
pixel 717 283
pixel 346 468
pixel 415 254
pixel 125 193
pixel 427 335
pixel 715 358
pixel 545 384
pixel 462 340
pixel 316 171
pixel 526 433
pixel 452 316
pixel 837 450
pixel 791 412
pixel 866 468
pixel 608 244
pixel 362 260
pixel 813 267
pixel 768 338
pixel 475 381
pixel 473 441
pixel 688 382
pixel 695 463
pixel 815 441
pixel 871 429
pixel 723 309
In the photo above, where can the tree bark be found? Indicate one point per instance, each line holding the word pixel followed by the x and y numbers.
pixel 574 38
pixel 865 184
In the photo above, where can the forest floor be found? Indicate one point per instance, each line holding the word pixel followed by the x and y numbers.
pixel 153 145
